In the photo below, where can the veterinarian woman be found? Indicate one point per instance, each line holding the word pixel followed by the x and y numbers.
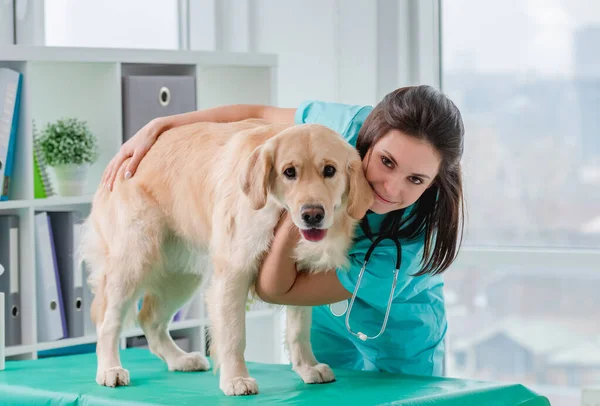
pixel 411 145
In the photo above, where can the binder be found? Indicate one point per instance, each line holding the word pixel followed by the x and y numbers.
pixel 66 226
pixel 51 323
pixel 148 97
pixel 9 280
pixel 10 100
pixel 2 324
pixel 42 185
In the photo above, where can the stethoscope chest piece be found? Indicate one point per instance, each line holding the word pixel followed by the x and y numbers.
pixel 339 309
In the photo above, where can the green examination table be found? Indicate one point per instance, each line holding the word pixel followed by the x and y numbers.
pixel 70 380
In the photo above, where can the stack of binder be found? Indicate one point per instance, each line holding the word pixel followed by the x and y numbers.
pixel 62 294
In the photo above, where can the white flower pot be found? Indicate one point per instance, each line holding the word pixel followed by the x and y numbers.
pixel 71 179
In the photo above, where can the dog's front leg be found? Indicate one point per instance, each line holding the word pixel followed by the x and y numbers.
pixel 298 322
pixel 227 311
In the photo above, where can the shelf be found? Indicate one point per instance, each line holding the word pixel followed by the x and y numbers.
pixel 62 203
pixel 86 83
pixel 51 203
pixel 14 204
pixel 178 325
pixel 68 342
pixel 123 55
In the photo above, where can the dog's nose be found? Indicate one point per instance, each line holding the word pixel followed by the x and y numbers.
pixel 312 214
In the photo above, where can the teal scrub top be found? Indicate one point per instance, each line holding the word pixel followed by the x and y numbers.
pixel 413 341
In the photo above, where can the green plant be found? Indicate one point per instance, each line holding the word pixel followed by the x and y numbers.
pixel 68 141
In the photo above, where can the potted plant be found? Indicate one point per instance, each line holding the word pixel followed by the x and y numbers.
pixel 69 148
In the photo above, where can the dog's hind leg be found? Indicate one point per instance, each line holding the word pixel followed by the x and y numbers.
pixel 167 295
pixel 132 249
pixel 226 303
pixel 119 297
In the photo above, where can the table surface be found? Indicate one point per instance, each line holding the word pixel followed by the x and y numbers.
pixel 70 380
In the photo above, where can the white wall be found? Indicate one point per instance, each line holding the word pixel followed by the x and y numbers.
pixel 302 35
pixel 350 51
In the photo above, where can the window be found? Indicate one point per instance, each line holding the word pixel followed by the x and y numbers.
pixel 112 23
pixel 526 77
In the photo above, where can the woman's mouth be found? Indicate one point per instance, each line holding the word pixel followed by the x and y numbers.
pixel 381 198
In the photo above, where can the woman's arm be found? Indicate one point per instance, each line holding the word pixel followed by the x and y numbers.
pixel 139 145
pixel 279 282
pixel 227 114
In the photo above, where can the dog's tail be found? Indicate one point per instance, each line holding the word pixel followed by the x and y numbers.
pixel 91 261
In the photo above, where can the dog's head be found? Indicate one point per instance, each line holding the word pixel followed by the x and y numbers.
pixel 312 172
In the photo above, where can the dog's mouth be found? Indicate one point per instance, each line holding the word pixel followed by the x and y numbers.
pixel 313 234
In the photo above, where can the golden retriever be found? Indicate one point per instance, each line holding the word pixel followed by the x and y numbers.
pixel 203 206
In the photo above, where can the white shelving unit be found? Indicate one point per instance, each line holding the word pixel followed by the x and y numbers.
pixel 86 83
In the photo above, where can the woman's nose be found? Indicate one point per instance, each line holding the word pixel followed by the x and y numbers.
pixel 393 190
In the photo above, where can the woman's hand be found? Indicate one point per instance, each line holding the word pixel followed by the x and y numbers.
pixel 286 229
pixel 277 272
pixel 136 148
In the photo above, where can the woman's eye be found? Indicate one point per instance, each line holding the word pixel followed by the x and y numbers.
pixel 387 162
pixel 415 180
pixel 290 173
pixel 329 171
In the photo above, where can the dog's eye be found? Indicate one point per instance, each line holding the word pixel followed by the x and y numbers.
pixel 329 171
pixel 290 173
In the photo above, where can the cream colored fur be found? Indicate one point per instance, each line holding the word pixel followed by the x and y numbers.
pixel 202 207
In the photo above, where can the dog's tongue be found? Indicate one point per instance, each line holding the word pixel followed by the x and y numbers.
pixel 313 234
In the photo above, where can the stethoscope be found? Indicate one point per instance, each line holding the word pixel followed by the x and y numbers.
pixel 360 334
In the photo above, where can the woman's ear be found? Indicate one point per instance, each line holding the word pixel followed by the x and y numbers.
pixel 254 177
pixel 360 194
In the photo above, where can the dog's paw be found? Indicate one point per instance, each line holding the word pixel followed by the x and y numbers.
pixel 239 386
pixel 112 377
pixel 194 361
pixel 320 373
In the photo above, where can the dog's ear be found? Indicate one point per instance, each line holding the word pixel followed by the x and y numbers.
pixel 254 178
pixel 360 194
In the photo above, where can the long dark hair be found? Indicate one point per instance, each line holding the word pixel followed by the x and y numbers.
pixel 427 114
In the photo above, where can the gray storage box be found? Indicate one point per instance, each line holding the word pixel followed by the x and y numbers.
pixel 148 97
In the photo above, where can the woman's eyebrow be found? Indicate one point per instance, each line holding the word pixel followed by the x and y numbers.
pixel 390 156
pixel 422 175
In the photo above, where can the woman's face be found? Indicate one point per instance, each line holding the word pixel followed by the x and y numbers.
pixel 399 168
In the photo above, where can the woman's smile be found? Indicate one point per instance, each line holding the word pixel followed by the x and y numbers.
pixel 381 198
